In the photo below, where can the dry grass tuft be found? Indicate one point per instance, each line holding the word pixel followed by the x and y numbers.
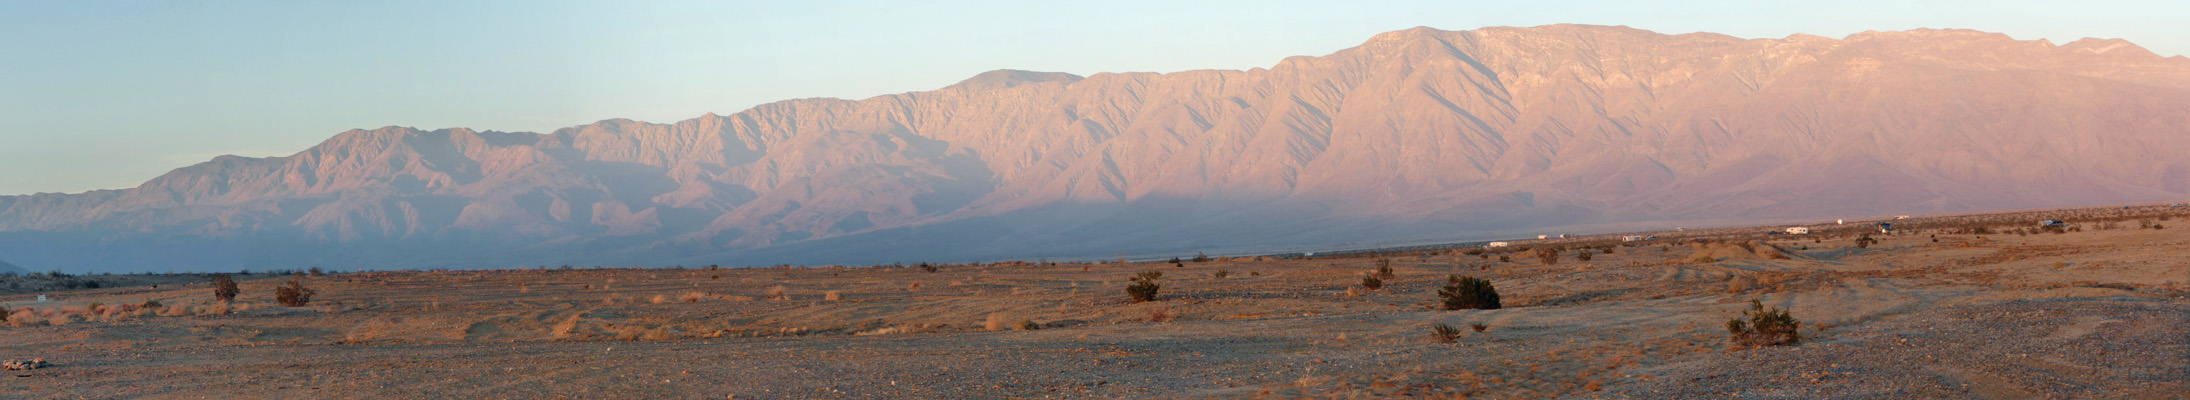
pixel 779 293
pixel 832 295
pixel 996 321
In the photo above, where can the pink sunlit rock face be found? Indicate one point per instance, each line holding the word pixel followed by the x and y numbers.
pixel 1414 134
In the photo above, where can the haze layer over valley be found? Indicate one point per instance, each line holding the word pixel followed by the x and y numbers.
pixel 1415 134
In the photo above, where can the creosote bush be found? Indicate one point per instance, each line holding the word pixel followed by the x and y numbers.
pixel 1371 282
pixel 1384 269
pixel 1764 327
pixel 1443 333
pixel 1466 292
pixel 1479 327
pixel 1548 255
pixel 1144 286
pixel 293 294
pixel 224 288
pixel 1865 241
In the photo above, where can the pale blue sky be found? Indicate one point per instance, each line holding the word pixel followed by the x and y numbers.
pixel 98 94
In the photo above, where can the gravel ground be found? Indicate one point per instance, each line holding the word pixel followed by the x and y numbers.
pixel 2054 348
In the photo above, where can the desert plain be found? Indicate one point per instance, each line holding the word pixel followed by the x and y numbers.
pixel 1968 306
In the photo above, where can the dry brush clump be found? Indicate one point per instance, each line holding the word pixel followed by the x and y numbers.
pixel 224 288
pixel 1762 326
pixel 1468 293
pixel 1144 286
pixel 294 294
pixel 1443 333
pixel 1371 282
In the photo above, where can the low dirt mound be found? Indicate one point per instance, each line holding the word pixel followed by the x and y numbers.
pixel 1748 250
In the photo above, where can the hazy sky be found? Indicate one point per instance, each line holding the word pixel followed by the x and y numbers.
pixel 97 94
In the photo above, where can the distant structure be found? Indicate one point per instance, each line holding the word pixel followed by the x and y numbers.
pixel 1885 227
pixel 1637 238
pixel 1799 230
pixel 1900 217
pixel 1840 222
pixel 1498 244
pixel 1542 237
pixel 2052 224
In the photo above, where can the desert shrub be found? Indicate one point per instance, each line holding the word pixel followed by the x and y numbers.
pixel 1705 260
pixel 778 292
pixel 1479 327
pixel 1472 251
pixel 1384 269
pixel 1548 256
pixel 1466 292
pixel 1144 286
pixel 1160 315
pixel 224 288
pixel 293 294
pixel 1443 333
pixel 317 272
pixel 1200 258
pixel 1028 325
pixel 1504 258
pixel 1220 274
pixel 1371 282
pixel 995 322
pixel 1865 241
pixel 930 268
pixel 1175 260
pixel 94 307
pixel 1762 326
pixel 4 311
pixel 1585 255
pixel 832 295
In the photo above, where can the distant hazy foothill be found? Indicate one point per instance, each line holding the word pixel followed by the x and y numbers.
pixel 6 268
pixel 1415 134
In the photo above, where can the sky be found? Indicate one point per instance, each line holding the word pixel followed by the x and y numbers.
pixel 108 94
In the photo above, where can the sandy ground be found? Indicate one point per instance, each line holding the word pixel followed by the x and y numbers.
pixel 2090 314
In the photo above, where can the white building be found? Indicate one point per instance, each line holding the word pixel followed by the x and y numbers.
pixel 1799 230
pixel 1498 244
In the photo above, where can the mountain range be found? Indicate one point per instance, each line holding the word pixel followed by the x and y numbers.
pixel 1419 134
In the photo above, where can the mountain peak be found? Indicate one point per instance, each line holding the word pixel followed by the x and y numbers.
pixel 1005 78
pixel 2108 46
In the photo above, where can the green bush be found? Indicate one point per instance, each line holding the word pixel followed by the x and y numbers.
pixel 1764 327
pixel 1465 292
pixel 1144 286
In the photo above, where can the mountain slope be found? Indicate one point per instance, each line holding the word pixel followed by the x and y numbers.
pixel 1415 134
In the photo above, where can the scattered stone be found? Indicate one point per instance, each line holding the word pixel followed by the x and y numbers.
pixel 24 365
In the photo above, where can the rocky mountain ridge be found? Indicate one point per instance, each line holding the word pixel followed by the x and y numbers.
pixel 1414 134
